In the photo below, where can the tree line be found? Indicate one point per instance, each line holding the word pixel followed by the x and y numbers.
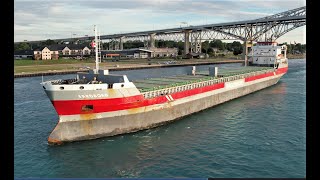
pixel 208 47
pixel 295 48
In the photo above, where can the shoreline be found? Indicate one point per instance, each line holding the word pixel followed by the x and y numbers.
pixel 48 73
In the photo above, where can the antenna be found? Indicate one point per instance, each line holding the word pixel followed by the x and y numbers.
pixel 97 46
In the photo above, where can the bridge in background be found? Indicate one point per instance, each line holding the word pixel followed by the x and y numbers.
pixel 267 28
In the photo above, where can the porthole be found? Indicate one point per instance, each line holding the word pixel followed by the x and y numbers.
pixel 81 87
pixel 87 108
pixel 61 88
pixel 122 85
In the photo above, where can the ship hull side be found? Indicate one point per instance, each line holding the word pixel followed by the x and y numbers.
pixel 88 128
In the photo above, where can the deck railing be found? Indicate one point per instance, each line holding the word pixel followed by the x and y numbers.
pixel 206 81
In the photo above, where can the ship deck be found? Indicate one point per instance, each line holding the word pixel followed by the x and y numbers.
pixel 151 84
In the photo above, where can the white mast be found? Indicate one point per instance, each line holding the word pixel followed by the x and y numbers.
pixel 96 47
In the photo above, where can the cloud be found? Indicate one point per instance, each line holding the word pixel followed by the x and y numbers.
pixel 60 19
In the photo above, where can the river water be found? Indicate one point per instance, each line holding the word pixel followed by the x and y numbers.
pixel 259 135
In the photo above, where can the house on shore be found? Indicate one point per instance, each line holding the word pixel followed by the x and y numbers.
pixel 75 49
pixel 79 51
pixel 197 55
pixel 163 52
pixel 58 50
pixel 130 53
pixel 44 53
pixel 23 54
pixel 141 53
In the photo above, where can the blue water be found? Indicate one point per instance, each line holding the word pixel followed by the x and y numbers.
pixel 259 135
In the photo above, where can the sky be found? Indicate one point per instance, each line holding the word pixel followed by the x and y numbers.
pixel 53 19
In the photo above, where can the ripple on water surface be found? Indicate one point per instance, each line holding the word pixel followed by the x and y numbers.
pixel 258 135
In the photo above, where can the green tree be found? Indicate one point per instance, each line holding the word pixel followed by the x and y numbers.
pixel 210 51
pixel 298 47
pixel 236 47
pixel 133 44
pixel 223 47
pixel 161 43
pixel 205 47
pixel 217 44
pixel 179 45
pixel 105 45
pixel 22 46
pixel 170 44
pixel 237 51
pixel 303 48
pixel 290 48
pixel 228 47
pixel 48 42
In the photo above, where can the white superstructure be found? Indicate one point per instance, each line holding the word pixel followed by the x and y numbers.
pixel 267 54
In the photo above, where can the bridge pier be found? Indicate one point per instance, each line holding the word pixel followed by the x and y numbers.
pixel 121 42
pixel 110 45
pixel 146 44
pixel 246 45
pixel 152 40
pixel 114 45
pixel 186 41
pixel 196 42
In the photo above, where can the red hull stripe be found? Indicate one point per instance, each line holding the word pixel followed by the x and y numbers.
pixel 179 95
pixel 282 70
pixel 72 107
pixel 279 71
pixel 260 76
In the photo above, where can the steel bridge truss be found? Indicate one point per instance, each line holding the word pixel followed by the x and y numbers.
pixel 269 31
pixel 267 28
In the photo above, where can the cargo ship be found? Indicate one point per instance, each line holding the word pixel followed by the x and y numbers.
pixel 98 104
